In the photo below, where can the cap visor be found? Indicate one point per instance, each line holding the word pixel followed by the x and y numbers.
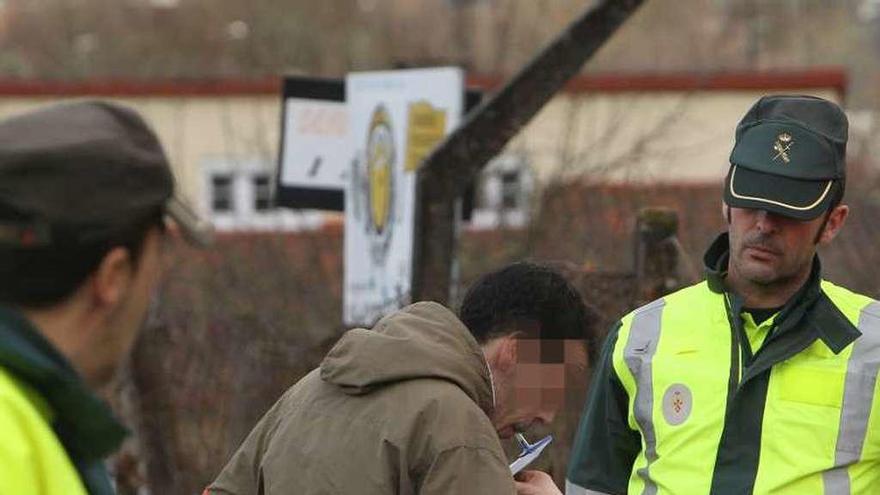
pixel 794 198
pixel 196 230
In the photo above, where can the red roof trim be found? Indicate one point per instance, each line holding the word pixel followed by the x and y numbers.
pixel 833 78
pixel 824 78
pixel 119 87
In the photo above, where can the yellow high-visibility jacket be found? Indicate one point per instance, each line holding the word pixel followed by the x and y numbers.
pixel 54 433
pixel 32 459
pixel 694 396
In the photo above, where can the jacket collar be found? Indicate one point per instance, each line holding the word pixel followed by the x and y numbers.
pixel 809 312
pixel 84 424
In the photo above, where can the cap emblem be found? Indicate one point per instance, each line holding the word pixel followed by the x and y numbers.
pixel 782 146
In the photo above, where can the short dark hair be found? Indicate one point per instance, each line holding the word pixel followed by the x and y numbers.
pixel 527 297
pixel 40 277
pixel 839 190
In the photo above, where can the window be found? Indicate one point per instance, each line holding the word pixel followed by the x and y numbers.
pixel 510 189
pixel 262 192
pixel 221 193
pixel 238 194
pixel 505 187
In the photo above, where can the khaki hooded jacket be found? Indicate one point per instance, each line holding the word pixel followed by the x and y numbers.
pixel 399 409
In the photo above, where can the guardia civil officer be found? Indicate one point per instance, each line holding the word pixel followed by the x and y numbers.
pixel 762 378
pixel 84 191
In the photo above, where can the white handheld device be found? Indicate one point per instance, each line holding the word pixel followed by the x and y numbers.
pixel 530 452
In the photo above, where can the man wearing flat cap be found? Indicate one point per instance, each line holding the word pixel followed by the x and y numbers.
pixel 85 189
pixel 762 378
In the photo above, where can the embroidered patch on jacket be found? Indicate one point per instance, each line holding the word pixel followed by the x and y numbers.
pixel 677 404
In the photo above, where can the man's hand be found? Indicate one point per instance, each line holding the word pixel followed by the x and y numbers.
pixel 535 483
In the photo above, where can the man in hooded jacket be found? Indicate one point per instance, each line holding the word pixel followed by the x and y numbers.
pixel 416 405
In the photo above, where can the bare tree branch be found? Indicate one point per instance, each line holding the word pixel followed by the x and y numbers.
pixel 451 166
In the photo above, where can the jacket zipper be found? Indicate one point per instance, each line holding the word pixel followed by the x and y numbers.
pixel 735 341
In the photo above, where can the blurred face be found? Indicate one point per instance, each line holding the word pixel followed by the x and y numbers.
pixel 530 389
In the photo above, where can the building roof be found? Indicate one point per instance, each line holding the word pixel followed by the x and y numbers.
pixel 821 78
pixel 818 78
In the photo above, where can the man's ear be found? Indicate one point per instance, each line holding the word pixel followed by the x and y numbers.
pixel 836 220
pixel 111 279
pixel 504 352
pixel 725 210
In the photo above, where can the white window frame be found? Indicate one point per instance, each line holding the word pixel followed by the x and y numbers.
pixel 490 211
pixel 244 216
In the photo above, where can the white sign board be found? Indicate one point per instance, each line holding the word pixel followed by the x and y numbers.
pixel 314 155
pixel 315 143
pixel 395 119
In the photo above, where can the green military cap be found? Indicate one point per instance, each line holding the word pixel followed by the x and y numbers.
pixel 789 156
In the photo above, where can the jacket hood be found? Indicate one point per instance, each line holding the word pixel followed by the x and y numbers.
pixel 423 340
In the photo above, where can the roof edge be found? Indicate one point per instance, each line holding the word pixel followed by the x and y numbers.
pixel 835 78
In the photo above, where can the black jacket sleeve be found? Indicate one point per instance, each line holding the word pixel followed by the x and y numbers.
pixel 605 447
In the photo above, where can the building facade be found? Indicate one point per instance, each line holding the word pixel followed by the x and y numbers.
pixel 222 137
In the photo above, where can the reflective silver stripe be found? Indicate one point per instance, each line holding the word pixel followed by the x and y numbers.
pixel 638 354
pixel 572 489
pixel 858 396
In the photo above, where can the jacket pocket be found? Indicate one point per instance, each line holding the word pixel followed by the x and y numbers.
pixel 804 409
pixel 812 385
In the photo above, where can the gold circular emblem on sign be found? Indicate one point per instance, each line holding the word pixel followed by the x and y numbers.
pixel 380 167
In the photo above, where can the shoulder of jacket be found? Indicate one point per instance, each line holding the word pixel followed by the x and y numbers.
pixel 448 412
pixel 17 396
pixel 438 393
pixel 845 298
pixel 698 290
pixel 22 425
